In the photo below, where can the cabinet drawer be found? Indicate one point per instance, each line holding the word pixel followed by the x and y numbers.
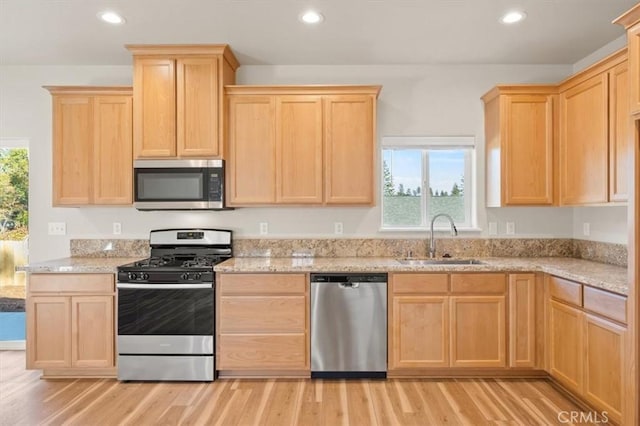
pixel 262 352
pixel 262 284
pixel 420 283
pixel 71 283
pixel 565 290
pixel 478 283
pixel 262 314
pixel 606 304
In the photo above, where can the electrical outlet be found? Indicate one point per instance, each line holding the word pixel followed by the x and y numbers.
pixel 493 228
pixel 57 228
pixel 337 228
pixel 264 228
pixel 117 228
pixel 511 228
pixel 586 229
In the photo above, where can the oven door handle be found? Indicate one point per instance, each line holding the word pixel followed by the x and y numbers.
pixel 163 286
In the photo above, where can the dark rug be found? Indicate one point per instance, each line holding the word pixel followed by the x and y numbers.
pixel 8 304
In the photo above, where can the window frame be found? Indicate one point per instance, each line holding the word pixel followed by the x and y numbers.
pixel 425 144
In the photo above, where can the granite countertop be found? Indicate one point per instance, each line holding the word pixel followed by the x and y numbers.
pixel 600 275
pixel 78 265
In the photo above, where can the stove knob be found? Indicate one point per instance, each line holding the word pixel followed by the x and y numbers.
pixel 144 276
pixel 185 276
pixel 132 276
pixel 197 276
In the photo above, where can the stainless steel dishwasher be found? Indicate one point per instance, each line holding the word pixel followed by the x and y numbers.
pixel 348 325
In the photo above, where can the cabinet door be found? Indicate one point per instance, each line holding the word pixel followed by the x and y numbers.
pixel 251 150
pixel 527 158
pixel 478 333
pixel 197 107
pixel 349 123
pixel 154 99
pixel 419 332
pixel 92 333
pixel 72 141
pixel 633 47
pixel 584 147
pixel 112 151
pixel 48 332
pixel 522 319
pixel 620 132
pixel 299 149
pixel 604 343
pixel 565 339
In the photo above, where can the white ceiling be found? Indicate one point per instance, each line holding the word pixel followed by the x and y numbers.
pixel 354 31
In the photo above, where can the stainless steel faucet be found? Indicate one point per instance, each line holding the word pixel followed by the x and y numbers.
pixel 432 241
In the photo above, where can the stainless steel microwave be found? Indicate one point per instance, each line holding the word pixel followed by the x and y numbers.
pixel 178 184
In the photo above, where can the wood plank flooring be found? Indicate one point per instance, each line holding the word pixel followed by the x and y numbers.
pixel 25 399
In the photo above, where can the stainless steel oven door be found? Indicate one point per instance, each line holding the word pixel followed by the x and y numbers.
pixel 165 309
pixel 166 332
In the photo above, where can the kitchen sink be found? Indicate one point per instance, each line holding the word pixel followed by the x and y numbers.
pixel 418 262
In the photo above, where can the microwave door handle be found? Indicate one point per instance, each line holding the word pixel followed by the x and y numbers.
pixel 163 286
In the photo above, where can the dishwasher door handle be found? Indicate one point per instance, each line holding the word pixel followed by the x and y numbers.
pixel 349 285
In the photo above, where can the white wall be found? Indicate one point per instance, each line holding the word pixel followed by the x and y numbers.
pixel 415 100
pixel 601 53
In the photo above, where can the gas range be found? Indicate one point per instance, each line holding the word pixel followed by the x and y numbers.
pixel 180 256
pixel 166 307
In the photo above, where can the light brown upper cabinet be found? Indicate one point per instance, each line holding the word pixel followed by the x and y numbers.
pixel 631 21
pixel 301 144
pixel 177 97
pixel 594 129
pixel 519 134
pixel 92 144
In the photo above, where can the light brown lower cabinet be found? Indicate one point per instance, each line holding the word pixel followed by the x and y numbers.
pixel 446 320
pixel 565 351
pixel 420 332
pixel 478 333
pixel 263 324
pixel 586 343
pixel 603 341
pixel 70 324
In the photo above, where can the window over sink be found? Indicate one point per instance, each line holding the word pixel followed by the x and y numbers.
pixel 425 176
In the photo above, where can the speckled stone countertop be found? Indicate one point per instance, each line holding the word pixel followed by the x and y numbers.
pixel 78 265
pixel 600 275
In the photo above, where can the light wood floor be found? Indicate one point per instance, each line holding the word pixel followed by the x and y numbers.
pixel 25 399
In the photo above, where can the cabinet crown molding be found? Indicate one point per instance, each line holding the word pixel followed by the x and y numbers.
pixel 182 50
pixel 308 89
pixel 629 18
pixel 89 90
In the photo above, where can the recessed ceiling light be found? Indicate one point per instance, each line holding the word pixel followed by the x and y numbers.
pixel 311 17
pixel 111 17
pixel 513 17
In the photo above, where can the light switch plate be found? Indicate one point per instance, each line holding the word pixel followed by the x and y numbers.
pixel 264 228
pixel 57 228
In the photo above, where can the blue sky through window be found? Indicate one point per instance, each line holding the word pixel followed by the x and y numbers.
pixel 446 167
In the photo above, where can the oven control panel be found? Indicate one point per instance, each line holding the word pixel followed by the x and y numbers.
pixel 159 277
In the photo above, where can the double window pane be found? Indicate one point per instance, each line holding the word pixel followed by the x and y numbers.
pixel 418 184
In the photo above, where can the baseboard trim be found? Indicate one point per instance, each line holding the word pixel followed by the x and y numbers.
pixel 12 345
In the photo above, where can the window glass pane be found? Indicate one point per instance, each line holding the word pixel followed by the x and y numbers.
pixel 446 184
pixel 402 188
